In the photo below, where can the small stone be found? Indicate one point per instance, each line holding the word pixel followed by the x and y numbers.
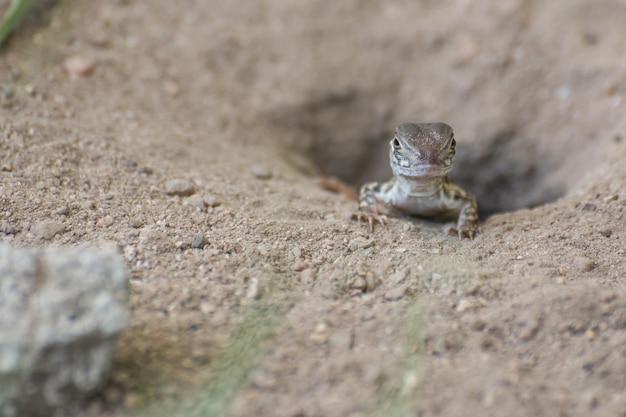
pixel 96 35
pixel 181 188
pixel 341 340
pixel 136 222
pixel 606 232
pixel 591 334
pixel 395 293
pixel 263 250
pixel 359 284
pixel 104 222
pixel 212 201
pixel 466 305
pixel 47 229
pixel 130 252
pixel 253 289
pixel 399 276
pixel 607 297
pixel 527 333
pixel 360 243
pixel 62 211
pixel 296 251
pixel 583 264
pixel 261 172
pixel 78 66
pixel 263 380
pixel 7 228
pixel 133 400
pixel 368 315
pixel 198 241
pixel 299 266
pixel 308 275
pixel 372 283
pixel 196 201
pixel 321 333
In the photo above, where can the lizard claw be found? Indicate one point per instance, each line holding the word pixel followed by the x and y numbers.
pixel 469 230
pixel 371 218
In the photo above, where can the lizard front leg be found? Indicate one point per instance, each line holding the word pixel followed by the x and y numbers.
pixel 468 217
pixel 370 206
pixel 465 203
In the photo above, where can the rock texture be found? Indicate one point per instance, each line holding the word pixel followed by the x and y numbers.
pixel 60 313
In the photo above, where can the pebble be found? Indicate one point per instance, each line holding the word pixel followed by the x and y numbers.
pixel 253 289
pixel 341 340
pixel 198 241
pixel 299 266
pixel 263 380
pixel 399 276
pixel 360 243
pixel 321 333
pixel 181 188
pixel 466 305
pixel 212 201
pixel 308 275
pixel 130 252
pixel 395 293
pixel 77 66
pixel 62 211
pixel 136 222
pixel 196 201
pixel 47 229
pixel 261 172
pixel 583 264
pixel 359 284
pixel 368 315
pixel 263 250
pixel 104 222
pixel 7 228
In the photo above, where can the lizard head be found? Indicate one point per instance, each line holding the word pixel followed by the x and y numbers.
pixel 422 150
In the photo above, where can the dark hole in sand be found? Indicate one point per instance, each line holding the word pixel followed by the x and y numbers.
pixel 345 136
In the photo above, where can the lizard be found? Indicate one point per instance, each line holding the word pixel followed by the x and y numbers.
pixel 421 155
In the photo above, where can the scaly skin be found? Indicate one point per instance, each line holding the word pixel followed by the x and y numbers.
pixel 421 156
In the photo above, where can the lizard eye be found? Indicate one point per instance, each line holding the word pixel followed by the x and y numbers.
pixel 396 143
pixel 453 144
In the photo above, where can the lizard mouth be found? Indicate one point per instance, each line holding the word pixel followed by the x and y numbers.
pixel 423 171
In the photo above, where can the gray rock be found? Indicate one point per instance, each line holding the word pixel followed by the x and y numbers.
pixel 61 311
pixel 198 241
pixel 583 264
pixel 47 229
pixel 261 172
pixel 182 188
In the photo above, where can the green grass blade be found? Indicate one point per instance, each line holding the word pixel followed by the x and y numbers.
pixel 13 15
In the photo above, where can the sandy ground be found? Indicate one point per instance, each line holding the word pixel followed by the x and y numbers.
pixel 258 295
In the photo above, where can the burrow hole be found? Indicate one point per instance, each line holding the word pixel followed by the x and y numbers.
pixel 344 135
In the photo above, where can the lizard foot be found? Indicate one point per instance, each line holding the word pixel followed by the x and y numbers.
pixel 371 218
pixel 468 229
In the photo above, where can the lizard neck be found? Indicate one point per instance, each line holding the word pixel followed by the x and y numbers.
pixel 419 186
